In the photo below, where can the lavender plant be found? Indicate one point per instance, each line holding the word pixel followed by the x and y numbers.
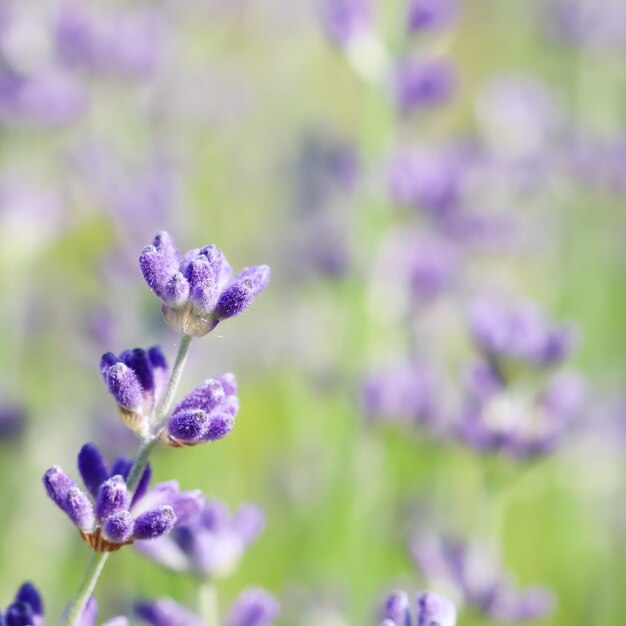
pixel 198 291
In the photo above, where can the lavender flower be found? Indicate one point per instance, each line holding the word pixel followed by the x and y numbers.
pixel 420 85
pixel 210 544
pixel 166 612
pixel 26 608
pixel 345 20
pixel 479 580
pixel 518 331
pixel 197 289
pixel 113 517
pixel 206 414
pixel 136 379
pixel 253 607
pixel 431 610
pixel 430 15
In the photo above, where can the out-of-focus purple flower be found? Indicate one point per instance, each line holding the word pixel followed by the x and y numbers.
pixel 128 44
pixel 404 392
pixel 495 418
pixel 26 608
pixel 253 607
pixel 12 422
pixel 136 379
pixel 197 288
pixel 426 179
pixel 477 576
pixel 430 15
pixel 518 331
pixel 430 610
pixel 166 612
pixel 420 85
pixel 206 414
pixel 209 544
pixel 113 517
pixel 90 616
pixel 345 20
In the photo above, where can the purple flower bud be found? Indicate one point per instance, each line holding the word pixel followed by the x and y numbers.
pixel 166 612
pixel 430 15
pixel 397 609
pixel 165 245
pixel 155 523
pixel 176 291
pixel 189 425
pixel 229 383
pixel 435 610
pixel 113 497
pixel 345 20
pixel 57 484
pixel 124 386
pixel 222 270
pixel 79 509
pixel 138 360
pixel 30 596
pixel 248 522
pixel 258 274
pixel 121 467
pixel 19 614
pixel 118 527
pixel 219 426
pixel 235 299
pixel 253 607
pixel 199 271
pixel 420 85
pixel 92 468
pixel 204 297
pixel 205 397
pixel 156 269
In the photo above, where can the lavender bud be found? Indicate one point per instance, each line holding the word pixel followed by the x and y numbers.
pixel 222 271
pixel 165 245
pixel 219 426
pixel 29 595
pixel 113 496
pixel 204 297
pixel 166 612
pixel 248 522
pixel 253 607
pixel 189 425
pixel 57 484
pixel 229 383
pixel 430 15
pixel 258 274
pixel 155 523
pixel 420 85
pixel 397 609
pixel 139 361
pixel 199 271
pixel 124 386
pixel 118 527
pixel 92 468
pixel 106 361
pixel 176 291
pixel 435 610
pixel 19 614
pixel 204 397
pixel 235 299
pixel 79 509
pixel 155 269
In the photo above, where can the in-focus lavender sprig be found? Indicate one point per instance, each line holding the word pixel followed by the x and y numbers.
pixel 197 288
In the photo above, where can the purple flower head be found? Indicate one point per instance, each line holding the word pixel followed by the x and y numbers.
pixel 426 179
pixel 430 15
pixel 422 85
pixel 166 612
pixel 136 379
pixel 345 20
pixel 476 574
pixel 197 288
pixel 518 331
pixel 206 414
pixel 209 544
pixel 253 607
pixel 26 608
pixel 402 392
pixel 113 517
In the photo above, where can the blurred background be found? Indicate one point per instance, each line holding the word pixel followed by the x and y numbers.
pixel 437 186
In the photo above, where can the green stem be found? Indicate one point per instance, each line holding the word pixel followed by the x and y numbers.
pixel 141 460
pixel 96 565
pixel 208 603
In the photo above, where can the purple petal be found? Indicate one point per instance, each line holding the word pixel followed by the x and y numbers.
pixel 165 245
pixel 166 612
pixel 204 397
pixel 189 425
pixel 29 595
pixel 155 269
pixel 235 299
pixel 222 271
pixel 258 274
pixel 113 497
pixel 229 383
pixel 19 614
pixel 248 522
pixel 90 613
pixel 253 607
pixel 176 291
pixel 92 467
pixel 79 509
pixel 397 609
pixel 219 426
pixel 57 484
pixel 155 523
pixel 124 386
pixel 142 487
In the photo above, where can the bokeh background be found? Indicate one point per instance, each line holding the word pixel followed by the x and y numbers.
pixel 273 129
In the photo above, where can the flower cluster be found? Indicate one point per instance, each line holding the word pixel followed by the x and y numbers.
pixel 114 517
pixel 198 289
pixel 430 610
pixel 209 544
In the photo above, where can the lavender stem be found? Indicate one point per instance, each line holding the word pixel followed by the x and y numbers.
pixel 96 565
pixel 208 603
pixel 139 464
